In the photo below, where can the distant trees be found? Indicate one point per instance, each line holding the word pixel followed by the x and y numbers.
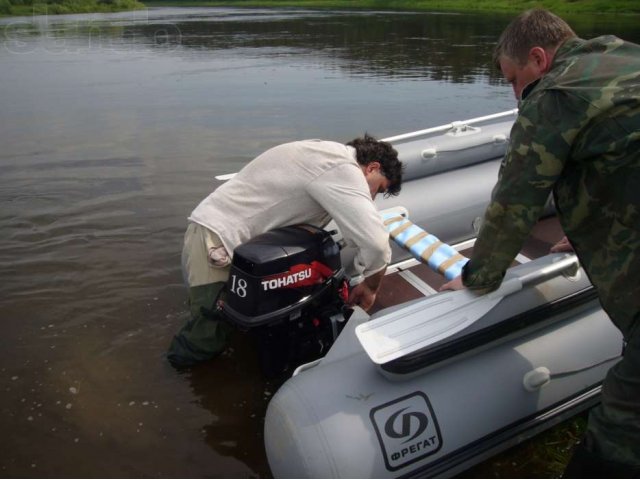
pixel 53 7
pixel 5 7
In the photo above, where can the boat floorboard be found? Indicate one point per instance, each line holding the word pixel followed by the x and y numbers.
pixel 398 287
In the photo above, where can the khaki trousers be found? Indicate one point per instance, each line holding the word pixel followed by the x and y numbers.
pixel 196 268
pixel 205 334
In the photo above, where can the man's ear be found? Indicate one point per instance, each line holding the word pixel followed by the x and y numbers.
pixel 540 58
pixel 373 166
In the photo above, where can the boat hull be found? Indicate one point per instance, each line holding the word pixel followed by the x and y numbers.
pixel 343 418
pixel 534 358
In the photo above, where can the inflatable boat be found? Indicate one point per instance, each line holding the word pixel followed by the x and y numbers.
pixel 427 384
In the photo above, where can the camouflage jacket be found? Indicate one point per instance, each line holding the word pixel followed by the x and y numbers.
pixel 577 135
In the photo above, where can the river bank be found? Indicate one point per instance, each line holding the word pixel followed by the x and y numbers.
pixel 54 7
pixel 558 6
pixel 61 7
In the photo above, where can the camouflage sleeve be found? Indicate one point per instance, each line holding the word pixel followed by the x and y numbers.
pixel 541 139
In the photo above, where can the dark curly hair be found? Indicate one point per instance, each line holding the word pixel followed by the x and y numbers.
pixel 368 150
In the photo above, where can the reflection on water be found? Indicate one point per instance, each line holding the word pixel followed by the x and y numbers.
pixel 112 128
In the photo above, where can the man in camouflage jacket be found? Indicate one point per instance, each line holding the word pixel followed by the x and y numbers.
pixel 577 135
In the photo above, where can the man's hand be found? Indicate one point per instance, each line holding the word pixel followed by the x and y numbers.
pixel 455 284
pixel 362 296
pixel 562 246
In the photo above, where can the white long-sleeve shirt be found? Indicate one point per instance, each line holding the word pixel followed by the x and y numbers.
pixel 309 181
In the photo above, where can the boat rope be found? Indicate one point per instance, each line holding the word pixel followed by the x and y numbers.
pixel 567 373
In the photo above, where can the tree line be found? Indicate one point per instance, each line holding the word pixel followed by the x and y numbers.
pixel 56 7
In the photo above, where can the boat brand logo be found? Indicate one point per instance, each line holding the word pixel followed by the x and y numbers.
pixel 407 430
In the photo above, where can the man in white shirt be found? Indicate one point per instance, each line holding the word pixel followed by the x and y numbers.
pixel 311 181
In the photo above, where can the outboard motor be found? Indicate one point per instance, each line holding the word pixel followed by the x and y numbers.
pixel 287 288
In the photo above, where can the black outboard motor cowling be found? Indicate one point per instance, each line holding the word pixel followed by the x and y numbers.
pixel 287 288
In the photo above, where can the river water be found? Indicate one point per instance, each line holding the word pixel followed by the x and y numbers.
pixel 112 128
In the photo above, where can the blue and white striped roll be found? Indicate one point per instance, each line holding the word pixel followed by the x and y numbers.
pixel 427 248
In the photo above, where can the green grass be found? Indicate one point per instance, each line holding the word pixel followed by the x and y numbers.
pixel 58 7
pixel 25 7
pixel 558 6
pixel 543 456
